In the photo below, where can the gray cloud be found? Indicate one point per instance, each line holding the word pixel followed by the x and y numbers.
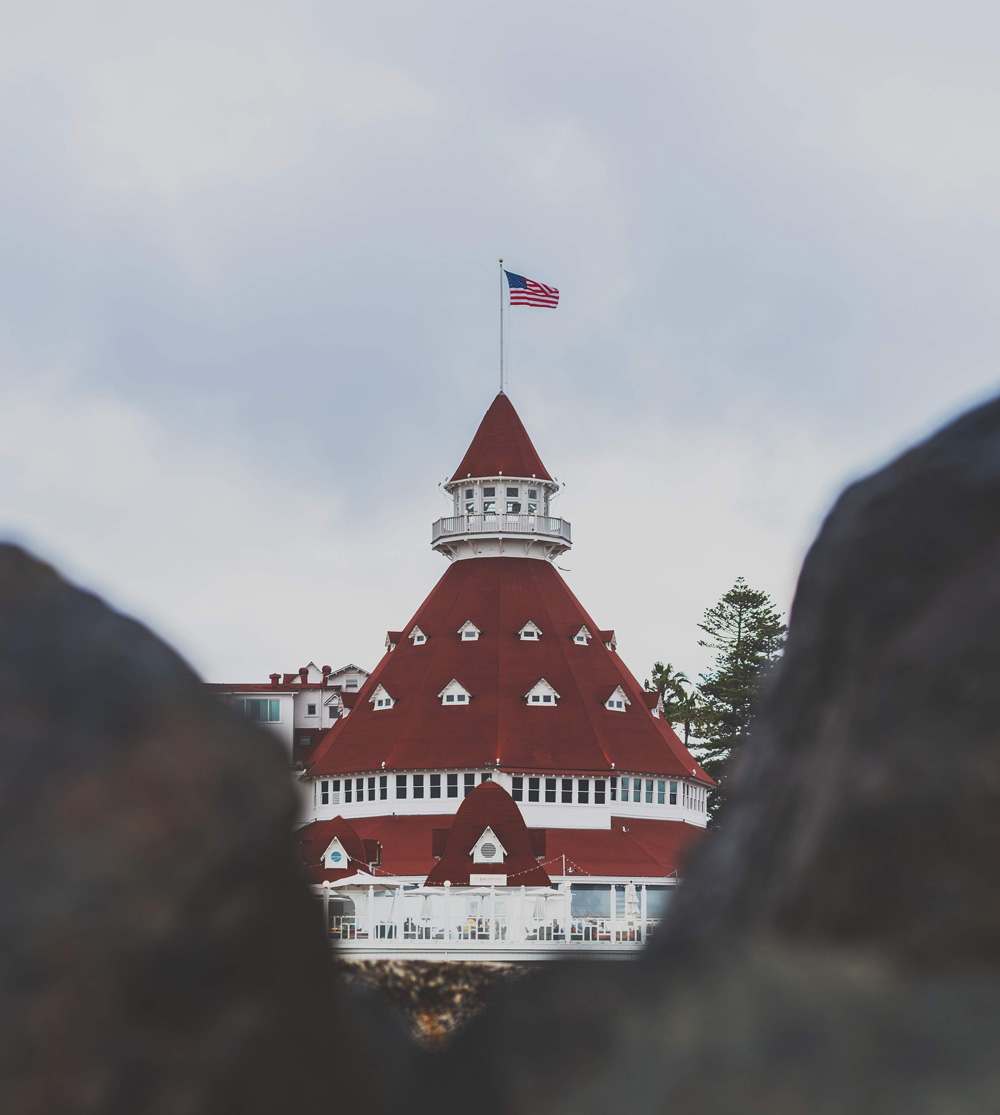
pixel 250 293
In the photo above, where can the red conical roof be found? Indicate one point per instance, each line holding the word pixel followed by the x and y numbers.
pixel 488 806
pixel 576 734
pixel 501 446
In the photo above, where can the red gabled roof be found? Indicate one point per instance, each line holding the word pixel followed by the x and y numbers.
pixel 634 846
pixel 501 446
pixel 576 734
pixel 314 839
pixel 488 806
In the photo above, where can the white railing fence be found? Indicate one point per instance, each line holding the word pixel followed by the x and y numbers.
pixel 501 524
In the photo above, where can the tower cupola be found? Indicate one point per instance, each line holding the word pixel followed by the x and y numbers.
pixel 501 495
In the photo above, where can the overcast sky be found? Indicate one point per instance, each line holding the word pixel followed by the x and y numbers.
pixel 249 292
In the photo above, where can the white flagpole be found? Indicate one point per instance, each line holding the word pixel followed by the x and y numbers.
pixel 501 325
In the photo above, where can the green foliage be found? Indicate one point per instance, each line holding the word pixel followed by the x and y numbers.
pixel 680 706
pixel 747 634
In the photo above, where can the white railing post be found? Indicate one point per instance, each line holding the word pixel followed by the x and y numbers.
pixel 371 913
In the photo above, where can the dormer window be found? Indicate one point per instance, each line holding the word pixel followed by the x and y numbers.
pixel 380 699
pixel 583 636
pixel 336 856
pixel 418 637
pixel 487 849
pixel 530 632
pixel 455 693
pixel 618 701
pixel 541 695
pixel 469 632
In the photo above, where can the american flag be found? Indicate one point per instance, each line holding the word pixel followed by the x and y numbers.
pixel 526 292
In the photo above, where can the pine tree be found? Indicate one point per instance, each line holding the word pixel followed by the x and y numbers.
pixel 747 634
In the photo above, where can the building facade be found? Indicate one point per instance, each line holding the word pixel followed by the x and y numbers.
pixel 502 786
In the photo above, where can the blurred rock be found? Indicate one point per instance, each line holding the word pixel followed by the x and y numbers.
pixel 836 947
pixel 158 951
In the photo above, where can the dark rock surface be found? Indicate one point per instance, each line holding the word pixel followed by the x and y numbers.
pixel 836 948
pixel 158 951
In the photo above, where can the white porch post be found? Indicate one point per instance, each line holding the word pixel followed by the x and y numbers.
pixel 614 912
pixel 567 906
pixel 493 913
pixel 447 913
pixel 371 913
pixel 642 912
pixel 399 914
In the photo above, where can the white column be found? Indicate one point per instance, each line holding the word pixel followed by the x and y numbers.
pixel 371 913
pixel 398 914
pixel 614 912
pixel 493 913
pixel 567 907
pixel 642 912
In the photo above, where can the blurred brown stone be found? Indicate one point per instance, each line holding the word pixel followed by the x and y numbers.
pixel 836 946
pixel 158 951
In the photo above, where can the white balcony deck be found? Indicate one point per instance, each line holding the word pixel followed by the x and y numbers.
pixel 525 924
pixel 458 525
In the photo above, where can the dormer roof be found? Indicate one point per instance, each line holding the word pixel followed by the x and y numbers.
pixel 499 723
pixel 489 806
pixel 501 447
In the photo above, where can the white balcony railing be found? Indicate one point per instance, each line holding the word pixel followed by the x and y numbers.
pixel 544 525
pixel 504 932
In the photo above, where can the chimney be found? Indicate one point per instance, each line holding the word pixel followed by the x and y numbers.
pixel 326 672
pixel 304 674
pixel 275 678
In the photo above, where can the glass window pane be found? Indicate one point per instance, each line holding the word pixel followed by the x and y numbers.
pixel 470 784
pixel 533 787
pixel 489 491
pixel 673 793
pixel 567 790
pixel 517 788
pixel 383 787
pixel 418 785
pixel 435 785
pixel 599 786
pixel 550 789
pixel 275 711
pixel 400 785
pixel 453 785
pixel 583 791
pixel 614 789
pixel 661 793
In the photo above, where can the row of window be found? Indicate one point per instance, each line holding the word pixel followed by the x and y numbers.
pixel 268 710
pixel 530 632
pixel 524 788
pixel 623 788
pixel 376 787
pixel 513 502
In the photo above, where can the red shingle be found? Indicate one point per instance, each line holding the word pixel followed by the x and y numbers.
pixel 488 806
pixel 501 446
pixel 577 734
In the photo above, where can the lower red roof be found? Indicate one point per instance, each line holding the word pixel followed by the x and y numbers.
pixel 631 848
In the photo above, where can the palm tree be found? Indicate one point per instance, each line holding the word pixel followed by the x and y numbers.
pixel 679 706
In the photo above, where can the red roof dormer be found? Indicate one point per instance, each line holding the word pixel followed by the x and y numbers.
pixel 489 806
pixel 501 447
